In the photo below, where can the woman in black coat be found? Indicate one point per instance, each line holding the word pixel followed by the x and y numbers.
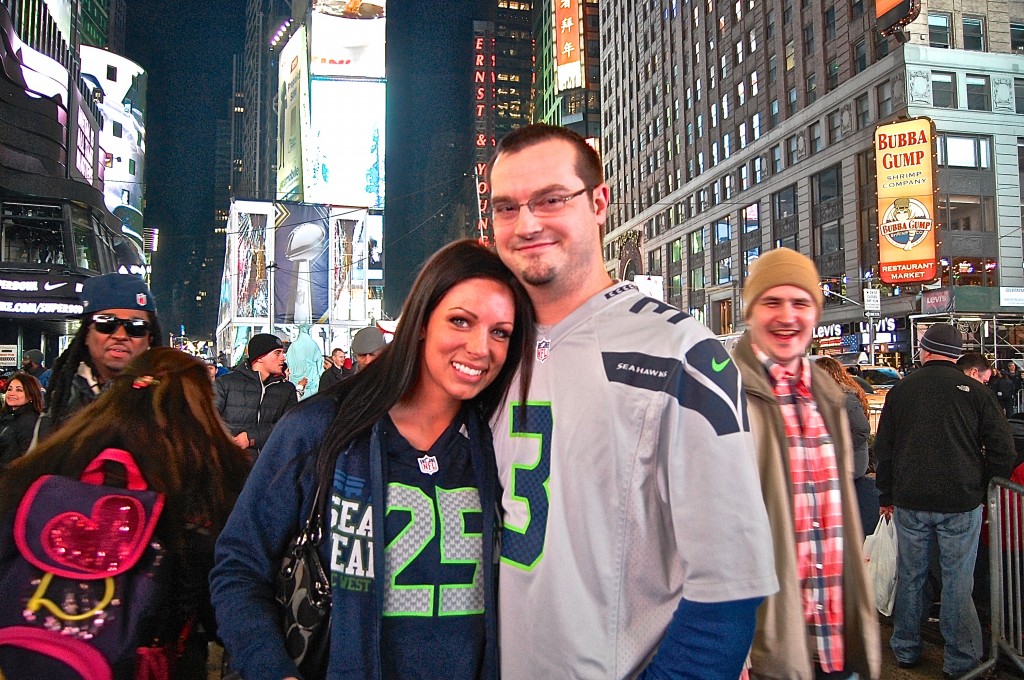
pixel 22 406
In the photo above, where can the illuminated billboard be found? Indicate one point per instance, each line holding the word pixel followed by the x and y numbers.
pixel 345 46
pixel 892 15
pixel 344 151
pixel 374 244
pixel 301 263
pixel 249 241
pixel 123 136
pixel 293 116
pixel 60 11
pixel 568 42
pixel 905 164
pixel 357 262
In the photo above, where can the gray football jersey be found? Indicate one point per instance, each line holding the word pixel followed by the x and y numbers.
pixel 629 481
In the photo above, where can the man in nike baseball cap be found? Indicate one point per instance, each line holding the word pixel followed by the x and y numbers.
pixel 783 301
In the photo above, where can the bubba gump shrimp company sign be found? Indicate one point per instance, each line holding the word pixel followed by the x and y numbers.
pixel 905 169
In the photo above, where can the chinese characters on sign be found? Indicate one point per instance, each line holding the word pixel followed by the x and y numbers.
pixel 568 29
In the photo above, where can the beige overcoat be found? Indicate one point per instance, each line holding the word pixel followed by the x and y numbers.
pixel 782 648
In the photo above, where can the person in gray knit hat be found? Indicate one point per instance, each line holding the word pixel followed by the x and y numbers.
pixel 119 323
pixel 367 344
pixel 941 438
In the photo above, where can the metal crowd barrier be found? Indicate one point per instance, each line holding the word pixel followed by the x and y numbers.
pixel 1006 565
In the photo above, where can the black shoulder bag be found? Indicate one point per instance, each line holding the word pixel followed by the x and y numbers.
pixel 304 593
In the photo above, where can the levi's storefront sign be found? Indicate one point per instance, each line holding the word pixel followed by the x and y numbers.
pixel 904 159
pixel 39 296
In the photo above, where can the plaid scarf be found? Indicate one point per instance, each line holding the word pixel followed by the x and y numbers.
pixel 817 509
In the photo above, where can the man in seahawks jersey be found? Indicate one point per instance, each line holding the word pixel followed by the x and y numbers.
pixel 635 541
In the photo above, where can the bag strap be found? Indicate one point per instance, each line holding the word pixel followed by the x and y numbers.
pixel 93 473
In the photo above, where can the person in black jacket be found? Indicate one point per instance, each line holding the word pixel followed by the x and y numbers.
pixel 251 398
pixel 23 404
pixel 337 371
pixel 1003 388
pixel 941 437
pixel 1014 374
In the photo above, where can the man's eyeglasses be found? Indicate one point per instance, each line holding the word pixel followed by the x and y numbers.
pixel 544 206
pixel 107 324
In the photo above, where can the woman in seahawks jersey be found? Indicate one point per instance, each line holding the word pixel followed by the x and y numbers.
pixel 411 534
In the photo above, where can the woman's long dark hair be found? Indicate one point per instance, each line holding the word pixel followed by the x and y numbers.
pixel 33 392
pixel 66 366
pixel 366 397
pixel 161 410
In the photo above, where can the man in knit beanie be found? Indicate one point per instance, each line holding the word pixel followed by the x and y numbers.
pixel 251 399
pixel 941 437
pixel 822 622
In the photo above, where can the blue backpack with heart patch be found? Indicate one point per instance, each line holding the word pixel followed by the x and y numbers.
pixel 84 579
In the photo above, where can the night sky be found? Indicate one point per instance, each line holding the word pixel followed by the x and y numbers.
pixel 186 47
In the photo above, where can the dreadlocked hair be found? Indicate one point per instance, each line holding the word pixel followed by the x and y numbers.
pixel 66 366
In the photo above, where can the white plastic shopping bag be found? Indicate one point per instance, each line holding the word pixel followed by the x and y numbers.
pixel 880 553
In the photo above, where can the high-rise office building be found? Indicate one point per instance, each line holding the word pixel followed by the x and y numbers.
pixel 103 23
pixel 733 128
pixel 568 82
pixel 503 74
pixel 267 25
pixel 56 230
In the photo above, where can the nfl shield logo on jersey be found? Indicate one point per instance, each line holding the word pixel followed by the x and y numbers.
pixel 543 349
pixel 428 464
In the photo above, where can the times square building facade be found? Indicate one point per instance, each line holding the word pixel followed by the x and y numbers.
pixel 731 128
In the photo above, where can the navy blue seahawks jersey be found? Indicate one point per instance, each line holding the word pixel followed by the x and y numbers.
pixel 434 599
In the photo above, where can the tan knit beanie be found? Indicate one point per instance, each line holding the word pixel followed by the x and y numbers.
pixel 781 267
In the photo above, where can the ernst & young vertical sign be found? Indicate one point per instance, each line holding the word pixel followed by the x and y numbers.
pixel 905 164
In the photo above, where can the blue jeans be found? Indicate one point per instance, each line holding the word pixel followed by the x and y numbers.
pixel 957 536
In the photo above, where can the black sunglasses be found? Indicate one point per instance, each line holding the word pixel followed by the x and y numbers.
pixel 107 324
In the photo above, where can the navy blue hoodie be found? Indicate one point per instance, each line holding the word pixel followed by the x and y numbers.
pixel 275 502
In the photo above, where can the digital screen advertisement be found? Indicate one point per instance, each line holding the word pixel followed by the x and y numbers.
pixel 345 45
pixel 248 231
pixel 293 117
pixel 40 296
pixel 345 158
pixel 124 101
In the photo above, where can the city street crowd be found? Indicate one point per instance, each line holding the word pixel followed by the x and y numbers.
pixel 544 474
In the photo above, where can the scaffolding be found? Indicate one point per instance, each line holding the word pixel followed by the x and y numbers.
pixel 998 336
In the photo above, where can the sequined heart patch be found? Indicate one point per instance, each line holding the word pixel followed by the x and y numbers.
pixel 101 542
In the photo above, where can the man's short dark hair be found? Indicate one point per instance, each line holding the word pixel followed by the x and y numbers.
pixel 972 360
pixel 588 162
pixel 335 350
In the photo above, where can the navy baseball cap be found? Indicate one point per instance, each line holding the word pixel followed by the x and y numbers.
pixel 116 291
